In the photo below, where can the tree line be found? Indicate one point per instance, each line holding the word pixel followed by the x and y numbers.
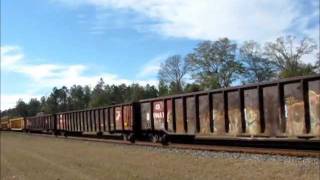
pixel 212 64
pixel 221 63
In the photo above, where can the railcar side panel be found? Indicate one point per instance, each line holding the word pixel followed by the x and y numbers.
pixel 218 113
pixel 204 114
pixel 234 114
pixel 169 115
pixel 111 116
pixel 145 116
pixel 294 109
pixel 271 108
pixel 158 115
pixel 191 115
pixel 127 117
pixel 314 107
pixel 179 116
pixel 251 112
pixel 118 118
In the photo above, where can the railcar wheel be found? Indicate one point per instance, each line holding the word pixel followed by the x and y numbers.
pixel 124 137
pixel 155 138
pixel 131 138
pixel 164 139
pixel 64 134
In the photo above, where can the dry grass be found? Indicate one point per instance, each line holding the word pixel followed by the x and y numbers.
pixel 33 157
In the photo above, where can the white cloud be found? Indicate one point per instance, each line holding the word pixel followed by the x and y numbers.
pixel 47 76
pixel 10 55
pixel 210 19
pixel 10 100
pixel 259 20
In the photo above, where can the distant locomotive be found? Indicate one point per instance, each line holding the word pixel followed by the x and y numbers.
pixel 288 108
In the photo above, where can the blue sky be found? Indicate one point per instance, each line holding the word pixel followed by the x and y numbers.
pixel 47 43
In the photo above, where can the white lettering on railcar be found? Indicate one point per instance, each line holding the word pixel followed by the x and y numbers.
pixel 158 106
pixel 118 115
pixel 158 115
pixel 148 116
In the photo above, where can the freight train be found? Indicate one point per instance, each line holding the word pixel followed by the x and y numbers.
pixel 283 109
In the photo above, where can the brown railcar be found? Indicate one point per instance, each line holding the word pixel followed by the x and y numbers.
pixel 41 123
pixel 288 108
pixel 110 120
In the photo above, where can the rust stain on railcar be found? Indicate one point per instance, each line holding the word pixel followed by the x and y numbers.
pixel 118 118
pixel 218 113
pixel 85 120
pixel 93 121
pixel 158 115
pixel 179 116
pixel 251 112
pixel 127 117
pixel 234 113
pixel 61 122
pixel 111 119
pixel 314 106
pixel 106 119
pixel 145 116
pixel 294 109
pixel 100 112
pixel 271 109
pixel 169 115
pixel 88 120
pixel 191 115
pixel 97 119
pixel 204 115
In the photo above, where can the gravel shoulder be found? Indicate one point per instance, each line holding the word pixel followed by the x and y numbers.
pixel 25 156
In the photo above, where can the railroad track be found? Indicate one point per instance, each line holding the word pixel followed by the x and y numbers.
pixel 200 147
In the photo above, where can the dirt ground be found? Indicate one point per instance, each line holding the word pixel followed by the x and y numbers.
pixel 34 157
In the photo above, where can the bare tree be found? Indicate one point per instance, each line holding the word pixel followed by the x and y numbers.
pixel 172 72
pixel 286 53
pixel 257 67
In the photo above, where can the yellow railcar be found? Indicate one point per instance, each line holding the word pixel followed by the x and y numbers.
pixel 17 124
pixel 5 125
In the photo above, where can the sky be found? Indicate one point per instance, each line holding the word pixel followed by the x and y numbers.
pixel 48 43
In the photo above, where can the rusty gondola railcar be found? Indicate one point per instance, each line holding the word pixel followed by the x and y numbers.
pixel 111 120
pixel 288 108
pixel 284 109
pixel 41 123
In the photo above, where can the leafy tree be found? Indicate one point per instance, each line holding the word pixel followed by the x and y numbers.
pixel 135 93
pixel 58 100
pixel 257 67
pixel 22 108
pixel 192 87
pixel 34 106
pixel 213 63
pixel 86 96
pixel 163 88
pixel 98 96
pixel 78 98
pixel 150 92
pixel 172 72
pixel 11 112
pixel 287 52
